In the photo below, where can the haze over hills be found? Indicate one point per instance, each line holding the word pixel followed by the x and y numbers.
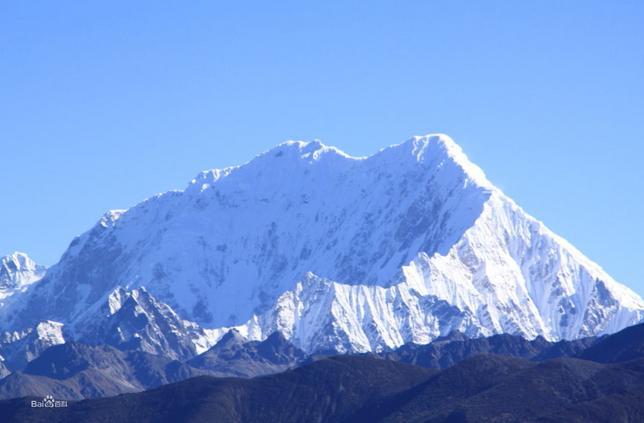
pixel 337 253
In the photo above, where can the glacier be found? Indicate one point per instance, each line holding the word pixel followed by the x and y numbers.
pixel 337 253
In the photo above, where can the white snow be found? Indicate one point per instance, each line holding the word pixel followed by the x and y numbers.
pixel 340 252
pixel 17 273
pixel 50 332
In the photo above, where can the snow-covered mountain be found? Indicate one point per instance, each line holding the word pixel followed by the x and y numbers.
pixel 17 272
pixel 338 252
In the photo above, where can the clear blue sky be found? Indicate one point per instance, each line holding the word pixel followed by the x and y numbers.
pixel 103 104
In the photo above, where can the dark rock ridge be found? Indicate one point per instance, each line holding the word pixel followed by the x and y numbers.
pixel 447 351
pixel 232 356
pixel 76 371
pixel 136 320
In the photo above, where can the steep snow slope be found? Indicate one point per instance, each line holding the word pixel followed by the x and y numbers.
pixel 401 246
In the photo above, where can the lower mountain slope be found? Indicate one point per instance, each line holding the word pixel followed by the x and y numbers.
pixel 484 388
pixel 77 371
pixel 328 390
pixel 234 356
pixel 494 388
pixel 627 344
pixel 533 380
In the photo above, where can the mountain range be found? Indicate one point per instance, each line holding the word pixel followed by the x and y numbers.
pixel 337 253
pixel 74 371
pixel 603 383
pixel 310 285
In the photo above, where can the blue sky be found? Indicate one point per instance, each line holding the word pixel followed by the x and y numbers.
pixel 103 104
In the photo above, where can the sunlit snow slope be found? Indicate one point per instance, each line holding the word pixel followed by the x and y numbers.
pixel 339 253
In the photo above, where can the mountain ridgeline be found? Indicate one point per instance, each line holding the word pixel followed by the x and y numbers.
pixel 76 371
pixel 500 378
pixel 73 370
pixel 310 285
pixel 337 253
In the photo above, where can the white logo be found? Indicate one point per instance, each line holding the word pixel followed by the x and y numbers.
pixel 48 402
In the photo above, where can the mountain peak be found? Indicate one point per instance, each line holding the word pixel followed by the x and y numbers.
pixel 424 148
pixel 408 244
pixel 18 270
pixel 431 150
pixel 17 262
pixel 435 148
pixel 310 151
pixel 231 338
pixel 18 257
pixel 135 319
